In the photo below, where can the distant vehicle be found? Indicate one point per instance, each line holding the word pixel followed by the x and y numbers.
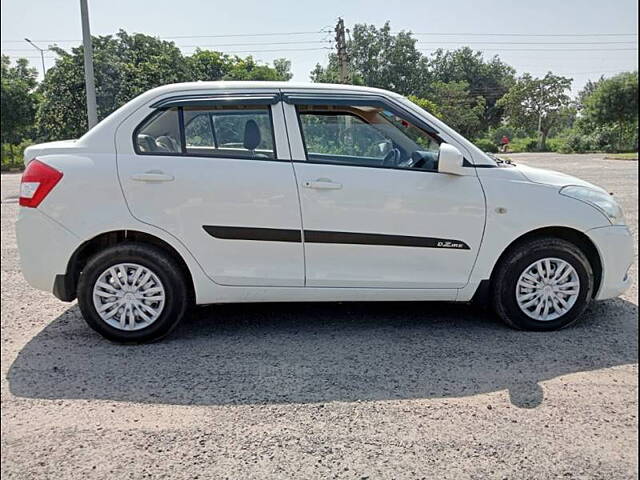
pixel 219 192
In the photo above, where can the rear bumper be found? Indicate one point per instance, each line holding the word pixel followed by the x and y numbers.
pixel 45 247
pixel 615 246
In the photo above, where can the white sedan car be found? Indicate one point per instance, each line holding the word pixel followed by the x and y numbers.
pixel 218 192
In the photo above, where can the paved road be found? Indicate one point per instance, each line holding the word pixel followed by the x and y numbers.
pixel 322 391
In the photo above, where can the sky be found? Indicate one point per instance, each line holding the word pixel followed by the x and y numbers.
pixel 581 39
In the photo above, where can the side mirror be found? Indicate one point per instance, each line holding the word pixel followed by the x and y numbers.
pixel 450 160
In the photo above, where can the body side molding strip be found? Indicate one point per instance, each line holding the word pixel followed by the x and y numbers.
pixel 319 236
pixel 250 233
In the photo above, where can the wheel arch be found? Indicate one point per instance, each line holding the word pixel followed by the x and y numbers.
pixel 66 285
pixel 571 235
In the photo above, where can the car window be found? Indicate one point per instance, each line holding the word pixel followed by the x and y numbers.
pixel 342 135
pixel 198 131
pixel 229 131
pixel 160 133
pixel 236 131
pixel 365 136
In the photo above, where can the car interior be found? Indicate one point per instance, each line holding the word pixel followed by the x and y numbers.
pixel 365 136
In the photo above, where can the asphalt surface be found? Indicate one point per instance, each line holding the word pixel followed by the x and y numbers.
pixel 362 390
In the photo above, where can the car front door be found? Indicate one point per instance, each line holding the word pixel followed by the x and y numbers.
pixel 215 172
pixel 376 212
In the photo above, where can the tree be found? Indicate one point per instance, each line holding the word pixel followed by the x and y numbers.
pixel 458 108
pixel 489 79
pixel 613 103
pixel 18 100
pixel 427 105
pixel 282 66
pixel 537 103
pixel 587 90
pixel 378 58
pixel 207 65
pixel 125 66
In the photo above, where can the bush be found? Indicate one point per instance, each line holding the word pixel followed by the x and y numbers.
pixel 555 144
pixel 575 142
pixel 486 145
pixel 588 137
pixel 11 156
pixel 496 134
pixel 526 144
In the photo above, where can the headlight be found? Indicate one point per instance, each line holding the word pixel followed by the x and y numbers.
pixel 602 201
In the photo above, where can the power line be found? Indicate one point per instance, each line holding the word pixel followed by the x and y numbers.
pixel 543 49
pixel 230 35
pixel 308 42
pixel 529 43
pixel 251 44
pixel 528 34
pixel 546 50
pixel 471 34
pixel 278 50
pixel 245 35
pixel 311 42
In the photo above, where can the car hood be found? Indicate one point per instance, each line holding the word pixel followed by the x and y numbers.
pixel 553 178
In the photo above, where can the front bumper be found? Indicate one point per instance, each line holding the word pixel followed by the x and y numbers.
pixel 615 246
pixel 45 247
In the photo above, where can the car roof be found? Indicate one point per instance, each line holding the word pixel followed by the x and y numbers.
pixel 252 85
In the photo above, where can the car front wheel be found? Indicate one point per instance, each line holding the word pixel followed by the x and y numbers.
pixel 543 284
pixel 132 293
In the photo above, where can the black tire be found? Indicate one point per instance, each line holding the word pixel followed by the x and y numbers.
pixel 157 261
pixel 514 264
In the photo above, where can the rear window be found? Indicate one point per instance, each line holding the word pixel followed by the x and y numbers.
pixel 229 131
pixel 160 133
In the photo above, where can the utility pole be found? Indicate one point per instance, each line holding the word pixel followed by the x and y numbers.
pixel 90 86
pixel 540 106
pixel 42 50
pixel 341 46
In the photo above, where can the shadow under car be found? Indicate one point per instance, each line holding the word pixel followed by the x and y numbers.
pixel 310 352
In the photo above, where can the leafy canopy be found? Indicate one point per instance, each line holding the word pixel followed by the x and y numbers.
pixel 127 65
pixel 18 100
pixel 614 100
pixel 537 103
pixel 461 84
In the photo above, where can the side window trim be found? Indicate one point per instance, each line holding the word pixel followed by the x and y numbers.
pixel 213 129
pixel 208 100
pixel 358 100
pixel 183 139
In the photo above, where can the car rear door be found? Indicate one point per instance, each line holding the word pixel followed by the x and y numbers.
pixel 214 171
pixel 370 221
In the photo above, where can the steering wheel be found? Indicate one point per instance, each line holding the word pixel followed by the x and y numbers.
pixel 392 158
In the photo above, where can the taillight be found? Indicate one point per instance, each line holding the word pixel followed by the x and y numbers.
pixel 38 180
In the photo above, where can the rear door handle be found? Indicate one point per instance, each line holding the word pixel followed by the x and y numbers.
pixel 322 184
pixel 152 177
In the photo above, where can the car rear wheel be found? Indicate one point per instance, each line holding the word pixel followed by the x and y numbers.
pixel 132 293
pixel 543 284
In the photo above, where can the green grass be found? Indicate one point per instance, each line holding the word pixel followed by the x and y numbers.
pixel 622 156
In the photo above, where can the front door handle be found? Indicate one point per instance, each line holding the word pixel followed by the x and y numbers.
pixel 322 184
pixel 152 177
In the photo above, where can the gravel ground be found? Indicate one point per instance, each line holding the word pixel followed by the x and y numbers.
pixel 322 391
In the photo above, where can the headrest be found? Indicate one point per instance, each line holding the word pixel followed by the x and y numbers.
pixel 251 135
